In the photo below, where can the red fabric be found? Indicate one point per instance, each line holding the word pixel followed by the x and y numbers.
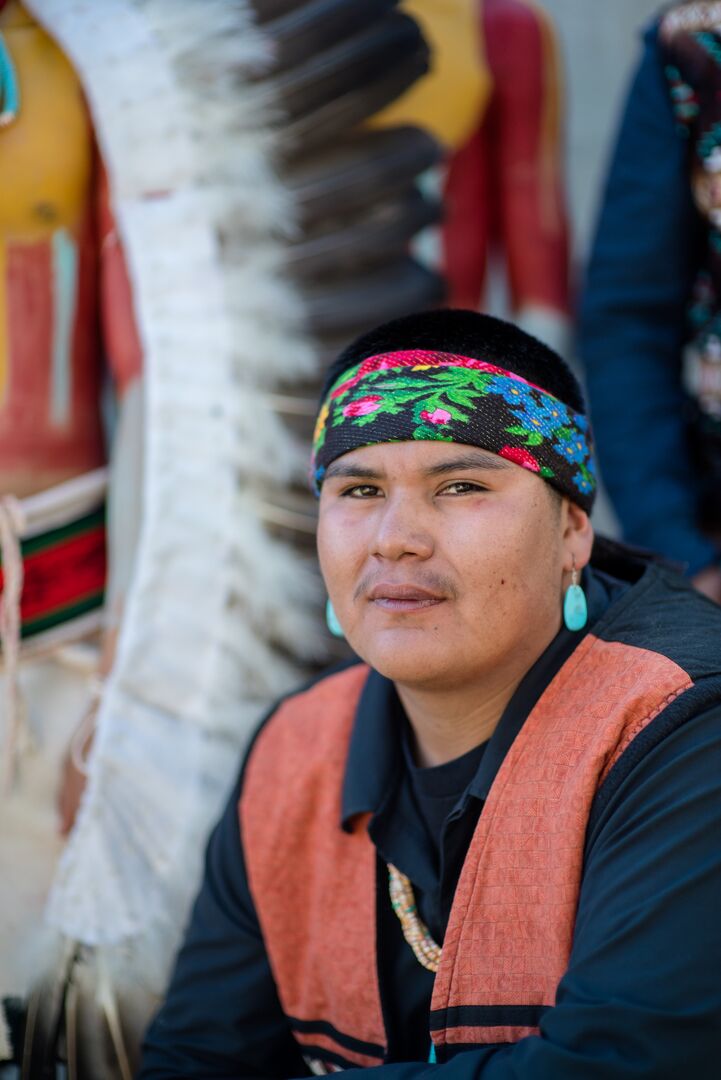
pixel 314 883
pixel 29 438
pixel 509 934
pixel 511 925
pixel 63 575
pixel 504 187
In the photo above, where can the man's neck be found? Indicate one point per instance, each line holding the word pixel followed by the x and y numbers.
pixel 448 722
pixel 444 728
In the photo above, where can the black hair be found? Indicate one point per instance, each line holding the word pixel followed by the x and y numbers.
pixel 466 333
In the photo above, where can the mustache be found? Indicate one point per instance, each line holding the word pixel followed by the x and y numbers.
pixel 435 583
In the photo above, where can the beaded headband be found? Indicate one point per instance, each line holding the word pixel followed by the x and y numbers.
pixel 415 394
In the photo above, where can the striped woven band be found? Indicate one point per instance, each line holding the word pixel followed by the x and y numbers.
pixel 64 573
pixel 416 394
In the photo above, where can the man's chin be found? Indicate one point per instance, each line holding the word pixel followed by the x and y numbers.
pixel 404 657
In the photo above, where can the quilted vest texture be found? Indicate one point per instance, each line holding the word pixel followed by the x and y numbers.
pixel 509 934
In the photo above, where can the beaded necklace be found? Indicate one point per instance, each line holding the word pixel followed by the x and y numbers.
pixel 427 952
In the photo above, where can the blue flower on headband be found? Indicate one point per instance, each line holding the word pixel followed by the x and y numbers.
pixel 572 449
pixel 542 414
pixel 511 390
pixel 584 485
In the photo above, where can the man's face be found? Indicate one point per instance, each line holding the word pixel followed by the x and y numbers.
pixel 442 561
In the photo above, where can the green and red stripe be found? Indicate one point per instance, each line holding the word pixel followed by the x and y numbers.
pixel 64 573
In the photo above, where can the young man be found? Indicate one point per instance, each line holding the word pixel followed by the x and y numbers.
pixel 491 844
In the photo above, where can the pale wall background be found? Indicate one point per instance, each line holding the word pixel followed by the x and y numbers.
pixel 600 44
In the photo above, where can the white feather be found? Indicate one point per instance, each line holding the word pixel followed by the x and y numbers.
pixel 189 150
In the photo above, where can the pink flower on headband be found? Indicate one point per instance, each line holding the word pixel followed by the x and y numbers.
pixel 520 456
pixel 363 405
pixel 438 416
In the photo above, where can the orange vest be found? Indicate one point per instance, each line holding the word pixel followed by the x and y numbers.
pixel 509 933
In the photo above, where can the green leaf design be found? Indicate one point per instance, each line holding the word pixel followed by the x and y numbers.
pixel 405 396
pixel 463 396
pixel 431 431
pixel 362 421
pixel 464 380
pixel 546 473
pixel 439 401
pixel 391 407
pixel 441 376
pixel 398 382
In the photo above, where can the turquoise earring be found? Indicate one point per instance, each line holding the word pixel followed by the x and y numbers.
pixel 575 608
pixel 332 620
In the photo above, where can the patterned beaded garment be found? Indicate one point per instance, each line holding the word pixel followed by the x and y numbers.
pixel 690 44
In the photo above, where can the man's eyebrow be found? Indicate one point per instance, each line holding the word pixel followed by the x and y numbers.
pixel 340 468
pixel 479 460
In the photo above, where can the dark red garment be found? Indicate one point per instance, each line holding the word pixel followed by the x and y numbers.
pixel 504 188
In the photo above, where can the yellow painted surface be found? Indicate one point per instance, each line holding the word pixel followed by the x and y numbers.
pixel 46 154
pixel 3 332
pixel 450 100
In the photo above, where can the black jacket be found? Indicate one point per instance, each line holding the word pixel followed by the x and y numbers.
pixel 642 993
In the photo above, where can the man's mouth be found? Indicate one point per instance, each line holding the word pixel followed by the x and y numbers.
pixel 403 597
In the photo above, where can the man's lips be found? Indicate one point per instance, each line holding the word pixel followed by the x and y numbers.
pixel 406 597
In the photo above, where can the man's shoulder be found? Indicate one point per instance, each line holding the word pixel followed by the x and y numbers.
pixel 663 614
pixel 322 696
pixel 308 720
pixel 297 758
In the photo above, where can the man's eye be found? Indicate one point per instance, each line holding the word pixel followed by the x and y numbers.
pixel 462 487
pixel 361 491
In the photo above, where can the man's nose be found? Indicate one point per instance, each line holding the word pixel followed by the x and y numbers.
pixel 402 529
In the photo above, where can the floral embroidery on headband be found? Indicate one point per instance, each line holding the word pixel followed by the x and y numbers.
pixel 441 396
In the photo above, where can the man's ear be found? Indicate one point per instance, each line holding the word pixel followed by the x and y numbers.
pixel 577 537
